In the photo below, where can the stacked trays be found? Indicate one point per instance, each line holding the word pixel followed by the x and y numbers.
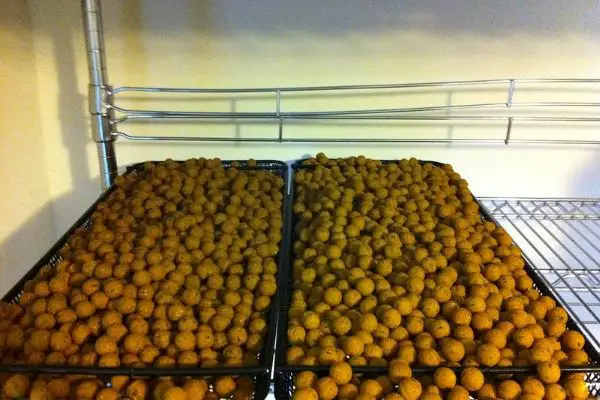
pixel 258 373
pixel 286 373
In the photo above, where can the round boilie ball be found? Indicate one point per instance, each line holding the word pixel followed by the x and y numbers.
pixel 509 390
pixel 471 378
pixel 548 372
pixel 444 378
pixel 341 373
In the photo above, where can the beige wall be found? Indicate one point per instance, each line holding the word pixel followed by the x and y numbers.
pixel 232 43
pixel 26 215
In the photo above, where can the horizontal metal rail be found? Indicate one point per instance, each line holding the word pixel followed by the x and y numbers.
pixel 507 112
pixel 377 114
pixel 124 89
pixel 474 141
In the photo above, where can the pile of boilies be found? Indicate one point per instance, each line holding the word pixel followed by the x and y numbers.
pixel 177 268
pixel 442 383
pixel 122 387
pixel 394 266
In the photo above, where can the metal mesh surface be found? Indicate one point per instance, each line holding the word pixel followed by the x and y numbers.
pixel 561 239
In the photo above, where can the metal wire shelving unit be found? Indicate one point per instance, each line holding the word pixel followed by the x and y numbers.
pixel 110 117
pixel 560 237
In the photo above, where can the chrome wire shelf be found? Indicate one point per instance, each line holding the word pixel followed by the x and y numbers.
pixel 507 112
pixel 561 240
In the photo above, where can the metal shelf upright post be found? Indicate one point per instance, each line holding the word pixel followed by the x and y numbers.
pixel 99 92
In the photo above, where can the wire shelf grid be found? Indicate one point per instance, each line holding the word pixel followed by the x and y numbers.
pixel 561 239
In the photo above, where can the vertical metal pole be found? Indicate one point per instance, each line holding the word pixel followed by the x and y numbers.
pixel 509 101
pixel 278 104
pixel 99 92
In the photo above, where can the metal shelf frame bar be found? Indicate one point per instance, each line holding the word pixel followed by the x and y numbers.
pixel 99 92
pixel 123 115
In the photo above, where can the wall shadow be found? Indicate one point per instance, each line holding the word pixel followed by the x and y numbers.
pixel 585 181
pixel 72 114
pixel 68 50
pixel 341 17
pixel 20 251
pixel 23 167
pixel 32 239
pixel 28 243
pixel 136 69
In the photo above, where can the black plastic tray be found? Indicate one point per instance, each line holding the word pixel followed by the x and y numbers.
pixel 285 373
pixel 284 382
pixel 260 372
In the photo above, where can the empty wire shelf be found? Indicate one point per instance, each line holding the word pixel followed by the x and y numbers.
pixel 561 239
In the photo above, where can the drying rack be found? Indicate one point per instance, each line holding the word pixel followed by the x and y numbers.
pixel 561 237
